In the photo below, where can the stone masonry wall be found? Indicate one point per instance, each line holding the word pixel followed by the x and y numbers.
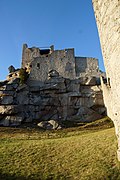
pixel 86 66
pixel 62 61
pixel 28 54
pixel 107 14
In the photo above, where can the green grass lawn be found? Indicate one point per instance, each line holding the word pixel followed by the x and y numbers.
pixel 86 153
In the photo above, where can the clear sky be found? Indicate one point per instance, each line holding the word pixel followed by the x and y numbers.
pixel 64 23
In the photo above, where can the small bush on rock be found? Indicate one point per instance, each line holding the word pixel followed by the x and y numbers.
pixel 23 75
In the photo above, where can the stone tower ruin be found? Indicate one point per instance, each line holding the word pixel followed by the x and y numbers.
pixel 40 61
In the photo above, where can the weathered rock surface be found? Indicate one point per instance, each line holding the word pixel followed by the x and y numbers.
pixel 49 125
pixel 108 21
pixel 6 99
pixel 2 83
pixel 11 121
pixel 56 100
pixel 9 109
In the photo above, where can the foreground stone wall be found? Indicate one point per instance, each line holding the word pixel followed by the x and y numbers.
pixel 107 14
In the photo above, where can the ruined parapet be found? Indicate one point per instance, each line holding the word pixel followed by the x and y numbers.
pixel 107 14
pixel 28 54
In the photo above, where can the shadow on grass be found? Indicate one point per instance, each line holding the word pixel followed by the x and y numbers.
pixel 34 177
pixel 114 174
pixel 11 177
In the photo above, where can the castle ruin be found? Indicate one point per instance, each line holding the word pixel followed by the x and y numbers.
pixel 41 61
pixel 60 87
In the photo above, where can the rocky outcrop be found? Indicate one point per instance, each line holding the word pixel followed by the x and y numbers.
pixel 56 100
pixel 107 14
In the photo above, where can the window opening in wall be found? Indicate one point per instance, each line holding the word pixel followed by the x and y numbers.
pixel 104 80
pixel 10 75
pixel 44 51
pixel 108 82
pixel 38 65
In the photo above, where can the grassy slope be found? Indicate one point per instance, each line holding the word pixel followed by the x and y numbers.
pixel 66 154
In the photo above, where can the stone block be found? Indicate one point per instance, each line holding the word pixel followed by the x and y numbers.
pixel 55 80
pixel 11 121
pixel 35 100
pixel 3 83
pixel 23 87
pixel 6 93
pixel 84 114
pixel 53 73
pixel 75 94
pixel 14 80
pixel 22 97
pixel 9 109
pixel 48 113
pixel 73 86
pixel 91 81
pixel 34 88
pixel 54 86
pixel 9 87
pixel 6 100
pixel 49 125
pixel 87 89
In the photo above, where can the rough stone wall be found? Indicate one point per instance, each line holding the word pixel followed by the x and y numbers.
pixel 107 14
pixel 86 66
pixel 62 61
pixel 59 99
pixel 28 54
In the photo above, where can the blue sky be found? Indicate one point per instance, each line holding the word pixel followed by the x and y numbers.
pixel 64 23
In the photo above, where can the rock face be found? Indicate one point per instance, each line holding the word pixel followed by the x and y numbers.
pixel 107 14
pixel 56 100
